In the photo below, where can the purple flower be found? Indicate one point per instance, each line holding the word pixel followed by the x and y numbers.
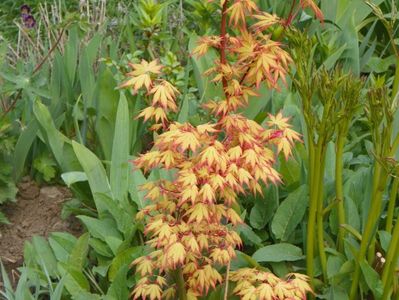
pixel 29 21
pixel 25 10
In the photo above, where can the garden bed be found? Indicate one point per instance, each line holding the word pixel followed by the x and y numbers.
pixel 37 211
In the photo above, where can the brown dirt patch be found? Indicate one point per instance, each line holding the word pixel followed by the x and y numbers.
pixel 37 211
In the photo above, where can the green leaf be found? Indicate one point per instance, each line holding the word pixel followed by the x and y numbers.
pixel 45 256
pixel 79 252
pixel 290 213
pixel 372 279
pixel 75 281
pixel 264 208
pixel 57 294
pixel 248 235
pixel 137 179
pixel 385 239
pixel 107 98
pixel 277 253
pixel 337 293
pixel 24 143
pixel 87 296
pixel 95 172
pixel 119 177
pixel 122 216
pixel 100 228
pixel 6 283
pixel 123 259
pixel 119 288
pixel 73 177
pixel 58 143
pixel 46 166
pixel 208 90
pixel 62 244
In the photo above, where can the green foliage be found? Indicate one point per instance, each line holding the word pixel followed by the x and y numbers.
pixel 71 123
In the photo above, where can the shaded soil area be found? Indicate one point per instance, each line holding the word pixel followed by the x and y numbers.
pixel 37 211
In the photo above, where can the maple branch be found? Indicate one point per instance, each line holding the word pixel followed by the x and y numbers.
pixel 226 290
pixel 291 14
pixel 223 59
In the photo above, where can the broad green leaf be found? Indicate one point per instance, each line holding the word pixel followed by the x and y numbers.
pixel 71 53
pixel 123 259
pixel 119 177
pixel 248 235
pixel 106 104
pixel 277 253
pixel 385 239
pixel 337 293
pixel 95 172
pixel 58 143
pixel 70 178
pixel 100 228
pixel 334 264
pixel 45 257
pixel 264 208
pixel 290 213
pixel 87 296
pixel 101 248
pixel 137 179
pixel 123 217
pixel 208 90
pixel 75 281
pixel 119 287
pixel 79 252
pixel 24 143
pixel 372 279
pixel 257 103
pixel 62 244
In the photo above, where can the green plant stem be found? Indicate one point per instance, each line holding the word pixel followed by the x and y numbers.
pixel 391 205
pixel 310 237
pixel 395 86
pixel 379 180
pixel 390 262
pixel 339 193
pixel 320 209
pixel 315 230
pixel 181 286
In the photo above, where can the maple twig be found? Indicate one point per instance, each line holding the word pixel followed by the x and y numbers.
pixel 290 15
pixel 223 59
pixel 226 289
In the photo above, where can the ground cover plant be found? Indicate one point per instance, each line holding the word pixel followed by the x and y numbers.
pixel 233 149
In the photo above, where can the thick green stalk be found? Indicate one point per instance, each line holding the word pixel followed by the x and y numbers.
pixel 320 210
pixel 390 263
pixel 379 180
pixel 339 193
pixel 391 205
pixel 314 167
pixel 181 285
pixel 395 87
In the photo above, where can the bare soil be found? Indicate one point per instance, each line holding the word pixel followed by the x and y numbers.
pixel 37 211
